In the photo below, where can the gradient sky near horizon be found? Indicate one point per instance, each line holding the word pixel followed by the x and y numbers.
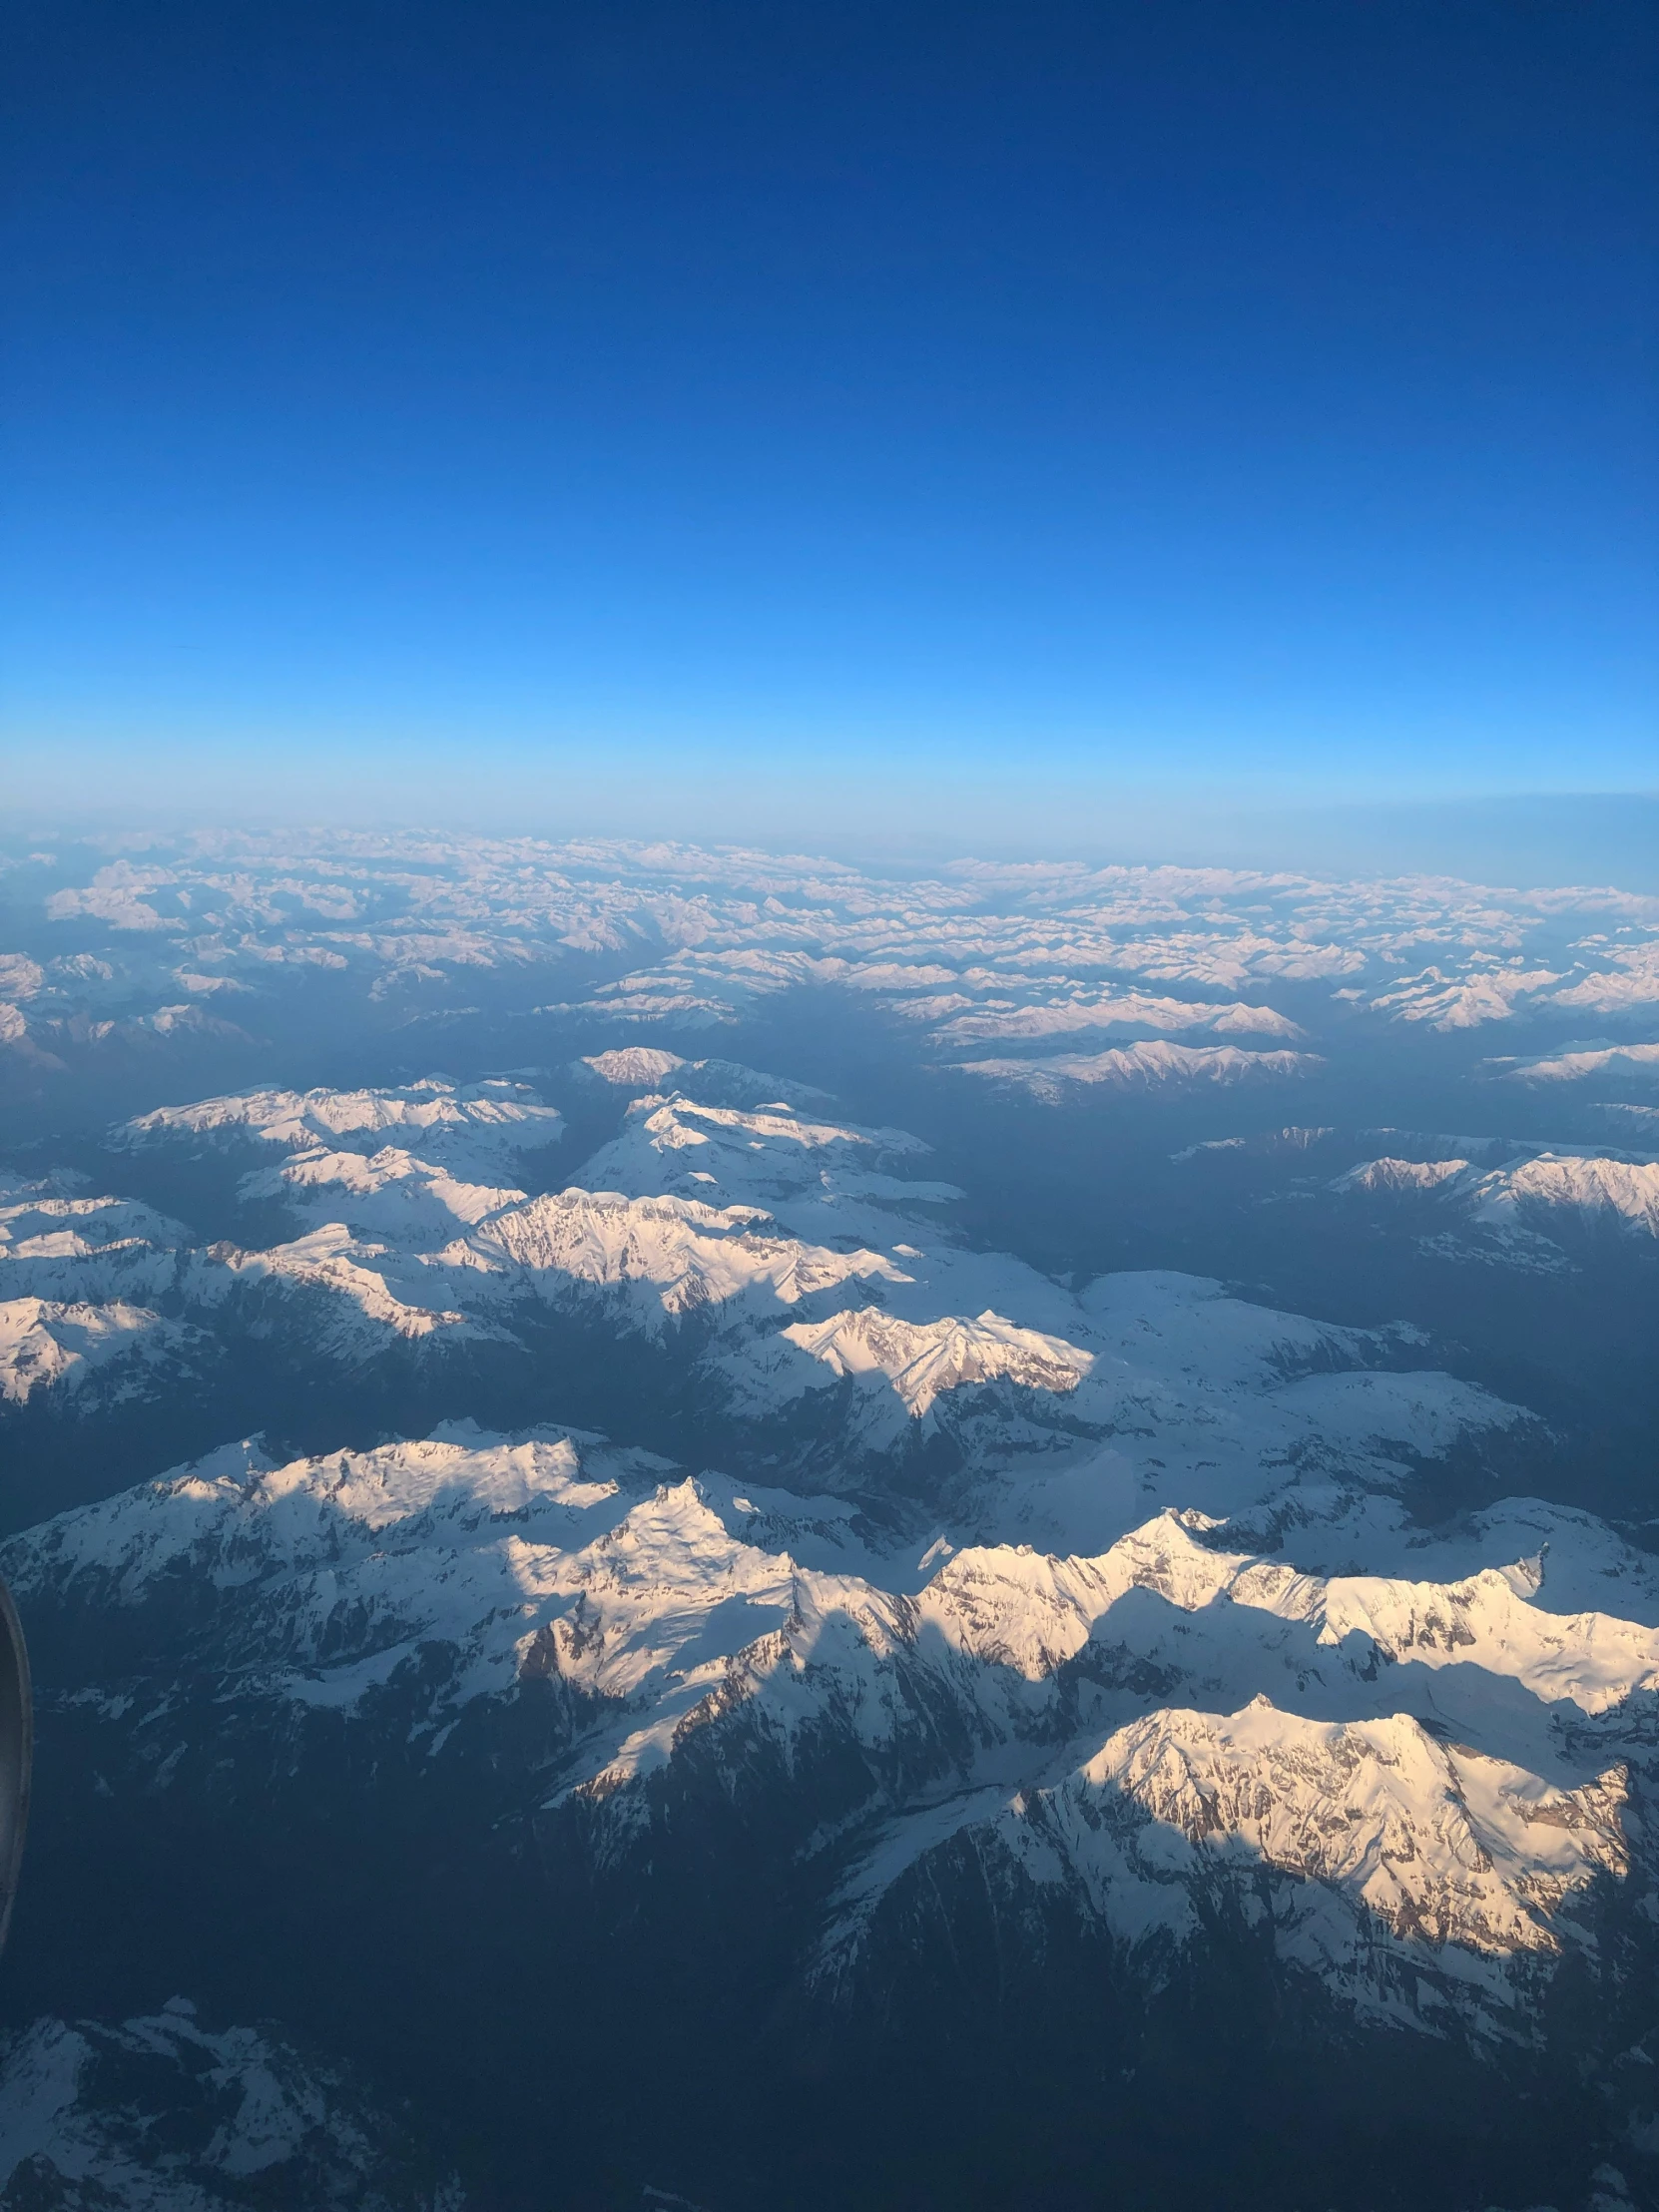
pixel 1257 394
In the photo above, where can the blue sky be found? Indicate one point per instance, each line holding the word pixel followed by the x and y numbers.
pixel 686 407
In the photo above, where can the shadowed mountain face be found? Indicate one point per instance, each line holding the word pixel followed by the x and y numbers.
pixel 698 1528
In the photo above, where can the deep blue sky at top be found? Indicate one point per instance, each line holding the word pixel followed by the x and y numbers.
pixel 1152 387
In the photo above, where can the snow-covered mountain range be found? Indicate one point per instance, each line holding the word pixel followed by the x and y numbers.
pixel 1059 1503
pixel 1433 1764
pixel 208 938
pixel 1525 1208
pixel 804 1285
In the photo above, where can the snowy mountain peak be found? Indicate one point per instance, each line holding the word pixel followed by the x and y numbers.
pixel 752 1157
pixel 1441 1845
pixel 680 1254
pixel 466 1128
pixel 919 1360
pixel 45 1342
pixel 387 1191
pixel 1534 1192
